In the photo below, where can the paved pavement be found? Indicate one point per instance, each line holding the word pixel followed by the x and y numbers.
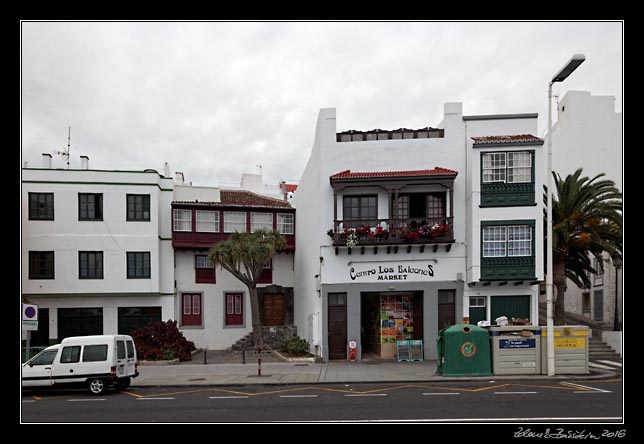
pixel 199 374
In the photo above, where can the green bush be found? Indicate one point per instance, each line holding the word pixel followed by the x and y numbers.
pixel 296 346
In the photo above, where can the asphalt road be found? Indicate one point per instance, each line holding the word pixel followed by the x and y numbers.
pixel 490 402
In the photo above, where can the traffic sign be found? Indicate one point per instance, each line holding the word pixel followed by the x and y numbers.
pixel 29 317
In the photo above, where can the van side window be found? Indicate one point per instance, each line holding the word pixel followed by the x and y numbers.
pixel 70 354
pixel 130 349
pixel 95 353
pixel 120 349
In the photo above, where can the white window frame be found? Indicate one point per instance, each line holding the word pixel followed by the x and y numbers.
pixel 254 225
pixel 228 223
pixel 498 237
pixel 206 226
pixel 282 224
pixel 496 173
pixel 208 263
pixel 478 305
pixel 510 176
pixel 516 247
pixel 180 219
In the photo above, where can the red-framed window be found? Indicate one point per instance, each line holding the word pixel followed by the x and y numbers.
pixel 267 274
pixel 191 313
pixel 234 309
pixel 204 270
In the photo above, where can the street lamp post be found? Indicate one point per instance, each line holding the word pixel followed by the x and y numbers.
pixel 563 73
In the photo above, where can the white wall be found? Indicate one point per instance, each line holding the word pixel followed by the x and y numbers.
pixel 588 134
pixel 310 234
pixel 115 236
pixel 214 334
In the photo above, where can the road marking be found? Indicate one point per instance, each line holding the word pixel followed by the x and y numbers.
pixel 594 364
pixel 152 399
pixel 29 400
pixel 131 394
pixel 439 394
pixel 538 419
pixel 514 393
pixel 367 394
pixel 298 396
pixel 586 387
pixel 86 399
pixel 590 391
pixel 613 363
pixel 228 397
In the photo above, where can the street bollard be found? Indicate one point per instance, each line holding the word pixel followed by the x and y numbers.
pixel 243 356
pixel 205 360
pixel 259 362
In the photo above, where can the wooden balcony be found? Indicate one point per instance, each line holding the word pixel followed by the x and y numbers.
pixel 196 240
pixel 387 232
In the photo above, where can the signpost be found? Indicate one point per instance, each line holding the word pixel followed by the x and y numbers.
pixel 29 323
pixel 353 353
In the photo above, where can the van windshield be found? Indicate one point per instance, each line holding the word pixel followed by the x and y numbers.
pixel 44 358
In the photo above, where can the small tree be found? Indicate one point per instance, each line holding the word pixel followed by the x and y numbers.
pixel 245 255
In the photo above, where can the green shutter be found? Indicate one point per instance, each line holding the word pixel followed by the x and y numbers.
pixel 477 314
pixel 509 306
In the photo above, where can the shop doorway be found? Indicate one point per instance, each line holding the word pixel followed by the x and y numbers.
pixel 387 317
pixel 337 334
pixel 446 308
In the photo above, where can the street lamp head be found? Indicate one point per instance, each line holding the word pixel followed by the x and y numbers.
pixel 569 67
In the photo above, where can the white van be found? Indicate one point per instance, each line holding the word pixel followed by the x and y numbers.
pixel 95 361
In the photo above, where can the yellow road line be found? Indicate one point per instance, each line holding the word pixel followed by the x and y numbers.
pixel 130 393
pixel 37 398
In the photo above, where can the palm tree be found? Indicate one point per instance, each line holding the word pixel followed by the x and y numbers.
pixel 586 222
pixel 244 255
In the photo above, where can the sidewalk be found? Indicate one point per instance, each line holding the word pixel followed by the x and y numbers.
pixel 199 374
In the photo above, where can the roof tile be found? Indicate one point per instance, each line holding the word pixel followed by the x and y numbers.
pixel 240 198
pixel 438 171
pixel 521 138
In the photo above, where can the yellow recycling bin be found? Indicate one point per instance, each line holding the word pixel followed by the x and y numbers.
pixel 571 349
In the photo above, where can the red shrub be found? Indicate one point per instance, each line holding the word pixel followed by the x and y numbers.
pixel 161 340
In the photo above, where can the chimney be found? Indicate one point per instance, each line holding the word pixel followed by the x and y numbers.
pixel 178 179
pixel 84 162
pixel 166 170
pixel 46 160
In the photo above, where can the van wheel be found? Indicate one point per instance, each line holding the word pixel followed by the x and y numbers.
pixel 97 386
pixel 123 383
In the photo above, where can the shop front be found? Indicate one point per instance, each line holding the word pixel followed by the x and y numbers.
pixel 383 302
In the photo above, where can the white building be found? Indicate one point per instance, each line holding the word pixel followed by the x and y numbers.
pixel 588 135
pixel 213 307
pixel 418 202
pixel 96 249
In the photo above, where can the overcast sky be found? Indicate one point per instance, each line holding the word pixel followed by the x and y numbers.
pixel 216 99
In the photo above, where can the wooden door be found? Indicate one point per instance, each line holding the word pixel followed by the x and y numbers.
pixel 599 305
pixel 446 308
pixel 337 315
pixel 273 309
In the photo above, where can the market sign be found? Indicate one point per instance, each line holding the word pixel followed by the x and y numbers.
pixel 417 271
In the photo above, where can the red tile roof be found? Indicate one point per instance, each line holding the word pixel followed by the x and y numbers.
pixel 517 138
pixel 240 198
pixel 438 171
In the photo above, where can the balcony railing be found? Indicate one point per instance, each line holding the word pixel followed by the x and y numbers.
pixel 392 231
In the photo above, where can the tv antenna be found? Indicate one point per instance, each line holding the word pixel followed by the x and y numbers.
pixel 65 153
pixel 260 169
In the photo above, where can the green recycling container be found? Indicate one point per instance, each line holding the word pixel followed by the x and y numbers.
pixel 464 350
